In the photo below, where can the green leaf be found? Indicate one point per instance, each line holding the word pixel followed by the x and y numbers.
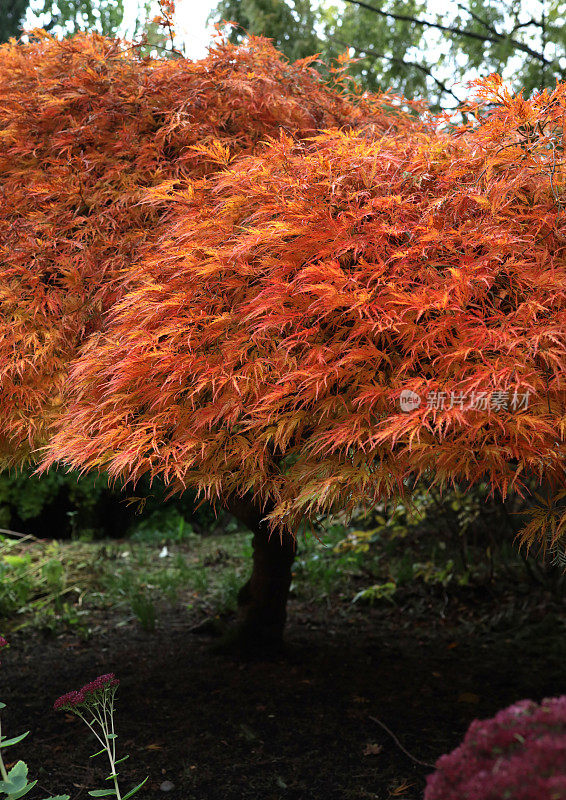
pixel 102 792
pixel 2 705
pixel 14 794
pixel 16 560
pixel 135 789
pixel 112 736
pixel 112 775
pixel 383 591
pixel 18 776
pixel 99 752
pixel 15 740
pixel 121 759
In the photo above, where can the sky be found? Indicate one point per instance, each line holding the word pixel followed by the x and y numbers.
pixel 190 17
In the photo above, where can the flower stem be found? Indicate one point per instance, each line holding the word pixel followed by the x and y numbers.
pixel 2 767
pixel 106 744
pixel 112 767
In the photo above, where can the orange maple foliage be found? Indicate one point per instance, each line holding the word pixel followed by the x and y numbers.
pixel 268 303
pixel 86 129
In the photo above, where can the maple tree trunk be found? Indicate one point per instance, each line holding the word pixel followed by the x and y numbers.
pixel 262 601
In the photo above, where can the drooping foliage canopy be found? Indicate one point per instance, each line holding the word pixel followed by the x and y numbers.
pixel 86 130
pixel 190 291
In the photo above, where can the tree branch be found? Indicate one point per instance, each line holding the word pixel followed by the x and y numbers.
pixel 481 21
pixel 525 25
pixel 427 71
pixel 457 31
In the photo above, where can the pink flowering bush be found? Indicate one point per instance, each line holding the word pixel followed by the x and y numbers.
pixel 520 754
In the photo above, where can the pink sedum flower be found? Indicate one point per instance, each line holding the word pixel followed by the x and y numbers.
pixel 66 700
pixel 88 693
pixel 520 754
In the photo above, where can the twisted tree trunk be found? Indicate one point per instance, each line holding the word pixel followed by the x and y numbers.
pixel 262 601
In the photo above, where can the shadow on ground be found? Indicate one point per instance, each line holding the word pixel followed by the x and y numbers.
pixel 294 728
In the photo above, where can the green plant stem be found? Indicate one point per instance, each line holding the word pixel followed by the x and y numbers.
pixel 2 767
pixel 103 722
pixel 112 767
pixel 90 726
pixel 112 756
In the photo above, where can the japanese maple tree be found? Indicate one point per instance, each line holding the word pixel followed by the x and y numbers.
pixel 95 140
pixel 240 309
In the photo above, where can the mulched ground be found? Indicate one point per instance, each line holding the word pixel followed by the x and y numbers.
pixel 205 724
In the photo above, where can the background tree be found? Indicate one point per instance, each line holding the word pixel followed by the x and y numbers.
pixel 412 49
pixel 69 16
pixel 12 13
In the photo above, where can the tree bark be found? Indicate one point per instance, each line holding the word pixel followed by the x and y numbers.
pixel 262 601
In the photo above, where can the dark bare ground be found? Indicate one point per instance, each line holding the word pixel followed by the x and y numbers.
pixel 295 727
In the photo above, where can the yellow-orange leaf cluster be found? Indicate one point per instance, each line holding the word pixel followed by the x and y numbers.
pixel 272 308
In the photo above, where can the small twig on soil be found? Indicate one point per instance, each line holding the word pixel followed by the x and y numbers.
pixel 23 535
pixel 399 745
